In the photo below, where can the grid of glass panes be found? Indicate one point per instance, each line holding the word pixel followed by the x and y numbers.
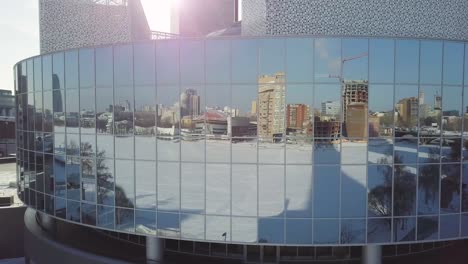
pixel 277 140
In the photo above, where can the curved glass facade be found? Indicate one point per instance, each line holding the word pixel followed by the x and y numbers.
pixel 293 141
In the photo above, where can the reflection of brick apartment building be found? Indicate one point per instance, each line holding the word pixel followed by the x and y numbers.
pixel 297 116
pixel 356 120
pixel 327 129
pixel 271 105
pixel 407 109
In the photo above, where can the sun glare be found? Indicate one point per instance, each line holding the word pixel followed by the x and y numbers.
pixel 158 13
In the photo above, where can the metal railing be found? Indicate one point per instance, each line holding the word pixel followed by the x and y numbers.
pixel 163 35
pixel 111 2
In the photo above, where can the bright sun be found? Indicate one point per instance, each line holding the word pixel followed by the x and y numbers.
pixel 158 13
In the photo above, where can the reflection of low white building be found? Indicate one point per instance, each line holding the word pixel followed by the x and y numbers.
pixel 212 122
pixel 167 131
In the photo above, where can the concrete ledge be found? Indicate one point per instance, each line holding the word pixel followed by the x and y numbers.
pixel 11 232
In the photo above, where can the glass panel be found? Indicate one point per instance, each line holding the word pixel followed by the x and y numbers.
pixel 355 59
pixel 380 151
pixel 144 64
pixel 168 186
pixel 71 69
pixel 452 111
pixel 381 110
pixel 192 64
pixel 404 229
pixel 125 183
pixel 431 62
pixel 407 61
pixel 244 229
pixel 88 145
pixel 354 151
pixel 88 180
pixel 59 173
pixel 105 217
pixel 271 56
pixel 430 110
pixel 453 63
pixel 38 111
pixel 299 125
pixel 406 110
pixel 244 54
pixel 218 228
pixel 465 188
pixel 30 112
pixel 105 181
pixel 328 60
pixel 73 178
pixel 88 214
pixel 406 150
pixel 327 191
pixel 104 68
pixel 271 190
pixel 381 60
pixel 73 111
pixel 37 74
pixel 86 68
pixel 244 104
pixel 58 79
pixel 244 150
pixel 299 186
pixel 326 231
pixel 49 174
pixel 105 146
pixel 271 150
pixel 218 185
pixel 167 62
pixel 88 112
pixel 353 191
pixel 327 120
pixel 353 231
pixel 327 151
pixel 429 150
pixel 428 228
pixel 428 189
pixel 48 111
pixel 168 225
pixel 193 187
pixel 47 72
pixel 104 111
pixel 270 230
pixel 379 230
pixel 450 188
pixel 168 117
pixel 125 219
pixel 145 180
pixel 464 225
pixel 379 187
pixel 192 103
pixel 73 211
pixel 218 61
pixel 219 123
pixel 145 222
pixel 73 147
pixel 404 188
pixel 192 226
pixel 449 226
pixel 59 110
pixel 299 59
pixel 61 208
pixel 298 231
pixel 244 189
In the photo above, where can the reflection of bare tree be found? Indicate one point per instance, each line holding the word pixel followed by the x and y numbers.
pixel 347 235
pixel 380 197
pixel 449 185
pixel 429 182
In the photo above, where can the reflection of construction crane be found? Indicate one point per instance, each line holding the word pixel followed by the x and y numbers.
pixel 340 77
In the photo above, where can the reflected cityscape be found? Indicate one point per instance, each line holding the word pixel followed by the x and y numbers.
pixel 343 138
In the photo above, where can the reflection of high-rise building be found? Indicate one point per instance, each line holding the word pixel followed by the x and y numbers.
pixel 330 108
pixel 189 103
pixel 328 130
pixel 421 98
pixel 407 109
pixel 296 116
pixel 271 105
pixel 356 120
